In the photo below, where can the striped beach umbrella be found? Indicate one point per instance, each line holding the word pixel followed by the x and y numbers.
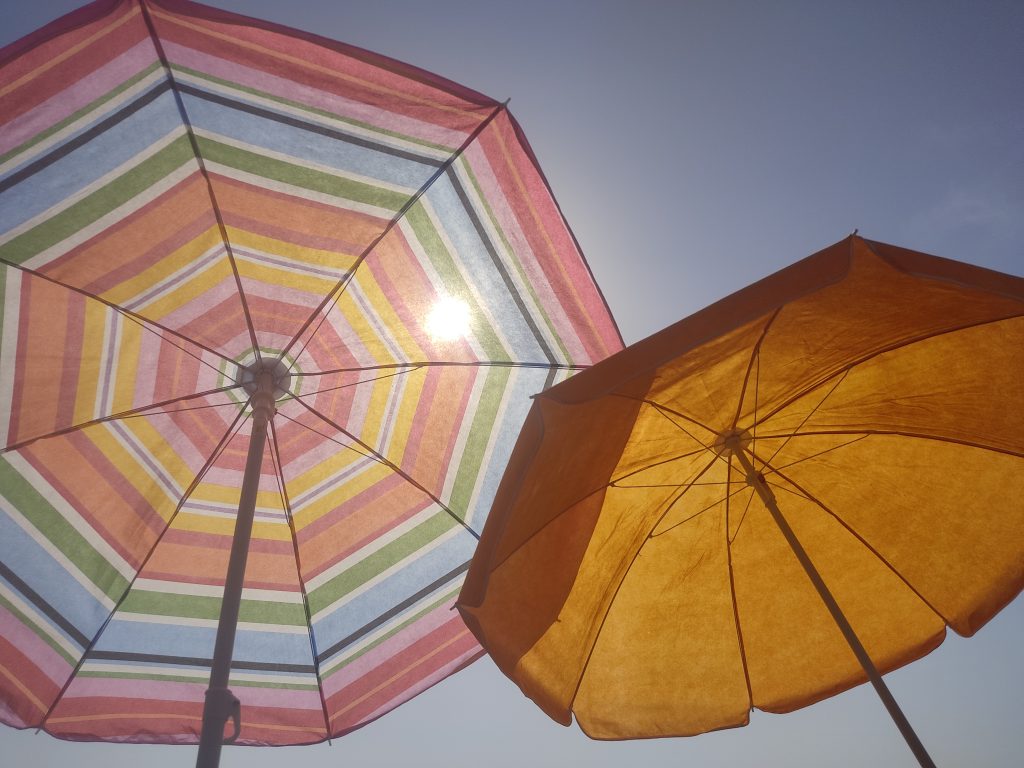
pixel 272 306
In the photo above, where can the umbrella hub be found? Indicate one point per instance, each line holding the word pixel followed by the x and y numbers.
pixel 274 374
pixel 732 441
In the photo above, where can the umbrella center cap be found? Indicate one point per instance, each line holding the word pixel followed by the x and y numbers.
pixel 249 376
pixel 732 441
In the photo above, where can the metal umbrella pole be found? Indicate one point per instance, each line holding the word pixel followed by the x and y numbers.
pixel 756 479
pixel 220 703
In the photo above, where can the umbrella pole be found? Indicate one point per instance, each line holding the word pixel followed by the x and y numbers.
pixel 755 479
pixel 220 703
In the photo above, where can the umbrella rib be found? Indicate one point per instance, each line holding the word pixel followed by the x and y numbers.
pixel 898 433
pixel 339 287
pixel 327 437
pixel 755 355
pixel 275 457
pixel 808 496
pixel 132 412
pixel 231 430
pixel 390 465
pixel 193 142
pixel 810 413
pixel 415 364
pixel 622 580
pixel 699 512
pixel 732 583
pixel 144 322
pixel 893 347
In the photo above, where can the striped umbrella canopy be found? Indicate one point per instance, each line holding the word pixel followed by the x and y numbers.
pixel 203 215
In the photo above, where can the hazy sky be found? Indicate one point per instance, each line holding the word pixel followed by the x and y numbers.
pixel 695 147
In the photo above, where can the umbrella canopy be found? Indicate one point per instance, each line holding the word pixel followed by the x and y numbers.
pixel 632 572
pixel 203 216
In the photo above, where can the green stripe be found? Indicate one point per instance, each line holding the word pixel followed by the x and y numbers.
pixel 90 107
pixel 446 149
pixel 516 263
pixel 41 514
pixel 327 672
pixel 454 282
pixel 31 626
pixel 99 203
pixel 300 176
pixel 185 679
pixel 374 565
pixel 203 607
pixel 485 418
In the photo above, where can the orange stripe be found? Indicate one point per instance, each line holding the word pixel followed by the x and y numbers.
pixel 393 678
pixel 21 687
pixel 51 63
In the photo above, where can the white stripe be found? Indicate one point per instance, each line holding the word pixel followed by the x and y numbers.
pixel 341 602
pixel 367 132
pixel 72 570
pixel 205 590
pixel 40 621
pixel 9 347
pixel 82 123
pixel 188 621
pixel 448 590
pixel 102 181
pixel 71 516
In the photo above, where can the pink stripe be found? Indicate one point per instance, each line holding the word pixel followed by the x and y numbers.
pixel 315 98
pixel 46 660
pixel 393 646
pixel 77 95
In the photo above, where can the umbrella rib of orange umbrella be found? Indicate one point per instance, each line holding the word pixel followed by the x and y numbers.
pixel 871 355
pixel 806 418
pixel 615 482
pixel 732 589
pixel 728 495
pixel 755 357
pixel 801 492
pixel 130 413
pixel 391 465
pixel 231 431
pixel 339 287
pixel 205 174
pixel 900 433
pixel 275 457
pixel 625 574
pixel 144 322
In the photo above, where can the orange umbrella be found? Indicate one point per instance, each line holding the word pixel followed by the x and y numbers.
pixel 860 410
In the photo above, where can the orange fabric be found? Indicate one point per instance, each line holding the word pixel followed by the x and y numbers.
pixel 629 575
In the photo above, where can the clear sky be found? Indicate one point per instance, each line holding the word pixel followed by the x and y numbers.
pixel 695 147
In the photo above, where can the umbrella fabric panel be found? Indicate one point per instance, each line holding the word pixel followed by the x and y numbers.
pixel 860 374
pixel 197 192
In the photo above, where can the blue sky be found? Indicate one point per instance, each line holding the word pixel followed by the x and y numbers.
pixel 695 147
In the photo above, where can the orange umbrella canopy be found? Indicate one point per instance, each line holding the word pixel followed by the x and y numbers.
pixel 628 572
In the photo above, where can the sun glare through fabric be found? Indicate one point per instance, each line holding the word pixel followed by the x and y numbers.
pixel 448 320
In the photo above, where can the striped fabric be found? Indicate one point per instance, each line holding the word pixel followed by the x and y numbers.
pixel 183 193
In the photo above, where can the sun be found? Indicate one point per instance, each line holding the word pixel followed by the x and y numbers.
pixel 448 320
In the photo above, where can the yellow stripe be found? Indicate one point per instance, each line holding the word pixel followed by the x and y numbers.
pixel 393 678
pixel 51 63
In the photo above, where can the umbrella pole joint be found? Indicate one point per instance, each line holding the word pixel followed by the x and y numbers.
pixel 757 481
